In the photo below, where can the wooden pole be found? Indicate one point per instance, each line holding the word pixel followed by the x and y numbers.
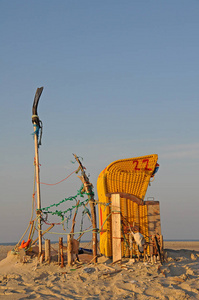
pixel 38 189
pixel 47 251
pixel 88 189
pixel 36 122
pixel 61 251
pixel 162 246
pixel 69 249
pixel 59 255
pixel 116 227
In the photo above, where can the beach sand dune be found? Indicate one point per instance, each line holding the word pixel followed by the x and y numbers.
pixel 178 278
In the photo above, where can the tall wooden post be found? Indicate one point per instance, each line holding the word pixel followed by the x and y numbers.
pixel 88 189
pixel 38 191
pixel 70 249
pixel 116 227
pixel 35 121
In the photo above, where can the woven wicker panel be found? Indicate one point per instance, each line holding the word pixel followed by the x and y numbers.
pixel 129 176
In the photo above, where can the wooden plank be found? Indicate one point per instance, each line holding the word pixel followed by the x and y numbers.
pixel 116 227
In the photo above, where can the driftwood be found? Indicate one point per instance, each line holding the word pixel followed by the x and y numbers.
pixel 117 261
pixel 61 251
pixel 79 237
pixel 92 260
pixel 74 243
pixel 69 250
pixel 74 217
pixel 49 228
pixel 88 189
pixel 47 251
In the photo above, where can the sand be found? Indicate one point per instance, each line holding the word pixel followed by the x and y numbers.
pixel 178 278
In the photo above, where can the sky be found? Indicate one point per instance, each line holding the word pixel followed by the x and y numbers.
pixel 120 80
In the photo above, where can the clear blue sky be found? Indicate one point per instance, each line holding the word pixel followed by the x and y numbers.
pixel 120 80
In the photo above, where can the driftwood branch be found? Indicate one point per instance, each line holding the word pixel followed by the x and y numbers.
pixel 88 188
pixel 74 217
pixel 49 228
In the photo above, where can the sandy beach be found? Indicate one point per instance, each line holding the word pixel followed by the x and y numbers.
pixel 177 278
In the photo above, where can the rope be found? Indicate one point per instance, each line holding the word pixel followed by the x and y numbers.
pixel 35 116
pixel 46 210
pixel 59 181
pixel 66 233
pixel 31 219
pixel 56 182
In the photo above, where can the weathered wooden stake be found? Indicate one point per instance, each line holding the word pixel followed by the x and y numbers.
pixel 138 253
pixel 162 246
pixel 161 242
pixel 131 245
pixel 116 227
pixel 61 251
pixel 47 251
pixel 152 245
pixel 58 256
pixel 69 249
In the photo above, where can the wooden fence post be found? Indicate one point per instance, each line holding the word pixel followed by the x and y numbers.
pixel 47 251
pixel 61 251
pixel 69 250
pixel 116 228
